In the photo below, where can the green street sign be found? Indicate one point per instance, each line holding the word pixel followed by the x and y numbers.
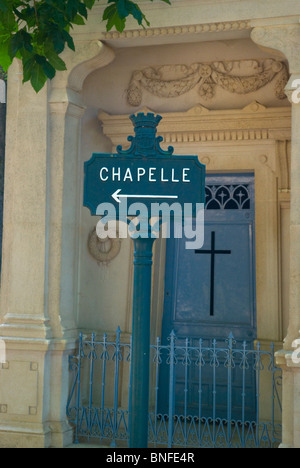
pixel 145 173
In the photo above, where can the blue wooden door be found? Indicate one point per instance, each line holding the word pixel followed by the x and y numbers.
pixel 210 293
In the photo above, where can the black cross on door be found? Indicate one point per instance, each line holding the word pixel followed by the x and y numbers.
pixel 213 253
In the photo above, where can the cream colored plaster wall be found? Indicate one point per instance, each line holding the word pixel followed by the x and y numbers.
pixel 103 286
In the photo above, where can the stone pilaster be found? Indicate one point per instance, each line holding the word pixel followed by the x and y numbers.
pixel 65 112
pixel 39 273
pixel 286 39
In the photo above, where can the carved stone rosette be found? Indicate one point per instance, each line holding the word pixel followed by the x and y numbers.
pixel 240 77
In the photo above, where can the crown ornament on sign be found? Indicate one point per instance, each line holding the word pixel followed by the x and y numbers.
pixel 145 120
pixel 145 143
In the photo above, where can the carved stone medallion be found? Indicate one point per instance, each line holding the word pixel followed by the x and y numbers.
pixel 103 250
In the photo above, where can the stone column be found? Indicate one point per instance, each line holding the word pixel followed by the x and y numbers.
pixel 25 326
pixel 39 273
pixel 286 39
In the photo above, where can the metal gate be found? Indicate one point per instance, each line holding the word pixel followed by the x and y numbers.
pixel 99 394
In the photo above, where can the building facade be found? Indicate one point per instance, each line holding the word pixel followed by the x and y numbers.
pixel 223 75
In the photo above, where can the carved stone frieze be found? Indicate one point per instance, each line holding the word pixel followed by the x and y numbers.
pixel 240 77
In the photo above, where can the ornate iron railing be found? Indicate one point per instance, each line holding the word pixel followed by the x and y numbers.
pixel 98 402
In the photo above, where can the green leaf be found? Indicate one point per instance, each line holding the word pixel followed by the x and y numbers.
pixel 27 67
pixel 89 3
pixel 69 40
pixel 122 7
pixel 57 40
pixel 5 58
pixel 78 20
pixel 40 59
pixel 38 77
pixel 8 20
pixel 19 41
pixel 82 10
pixel 136 12
pixel 116 21
pixel 54 59
pixel 111 15
pixel 49 70
pixel 109 12
pixel 3 5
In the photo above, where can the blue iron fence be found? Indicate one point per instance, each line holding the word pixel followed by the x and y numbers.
pixel 98 404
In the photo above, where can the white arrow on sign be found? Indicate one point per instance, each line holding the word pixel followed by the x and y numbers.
pixel 116 196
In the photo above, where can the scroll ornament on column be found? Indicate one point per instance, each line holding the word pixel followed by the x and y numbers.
pixel 286 39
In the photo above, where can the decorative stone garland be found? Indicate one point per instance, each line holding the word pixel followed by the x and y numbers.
pixel 238 76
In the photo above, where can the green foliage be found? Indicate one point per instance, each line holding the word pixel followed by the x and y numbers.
pixel 37 31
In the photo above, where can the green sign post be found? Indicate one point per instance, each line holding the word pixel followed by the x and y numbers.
pixel 142 177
